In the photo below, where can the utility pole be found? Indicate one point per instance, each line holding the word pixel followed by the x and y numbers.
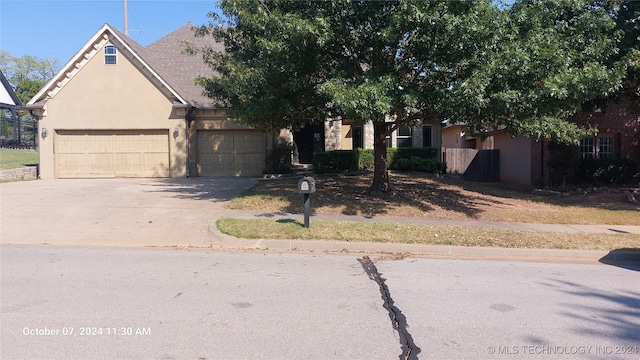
pixel 126 20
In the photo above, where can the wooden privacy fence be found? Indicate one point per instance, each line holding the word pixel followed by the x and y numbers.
pixel 472 164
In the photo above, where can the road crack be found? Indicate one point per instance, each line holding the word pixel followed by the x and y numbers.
pixel 399 322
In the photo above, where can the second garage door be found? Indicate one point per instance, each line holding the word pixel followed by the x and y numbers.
pixel 104 153
pixel 231 153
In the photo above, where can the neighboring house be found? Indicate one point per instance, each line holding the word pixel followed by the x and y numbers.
pixel 118 109
pixel 524 161
pixel 9 104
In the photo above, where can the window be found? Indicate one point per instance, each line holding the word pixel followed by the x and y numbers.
pixel 605 148
pixel 601 147
pixel 586 148
pixel 405 136
pixel 427 137
pixel 110 57
pixel 387 139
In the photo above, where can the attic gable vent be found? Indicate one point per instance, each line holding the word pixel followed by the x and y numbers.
pixel 110 55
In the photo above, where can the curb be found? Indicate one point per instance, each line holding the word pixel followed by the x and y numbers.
pixel 617 257
pixel 562 228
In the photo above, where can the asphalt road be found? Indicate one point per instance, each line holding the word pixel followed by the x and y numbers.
pixel 117 303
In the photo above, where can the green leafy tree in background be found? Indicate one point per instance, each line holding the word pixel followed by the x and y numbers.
pixel 27 75
pixel 524 67
pixel 554 57
pixel 5 131
pixel 628 23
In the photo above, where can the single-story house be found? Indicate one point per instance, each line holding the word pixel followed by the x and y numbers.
pixel 119 109
pixel 525 161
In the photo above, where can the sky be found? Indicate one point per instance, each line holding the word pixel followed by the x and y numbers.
pixel 59 28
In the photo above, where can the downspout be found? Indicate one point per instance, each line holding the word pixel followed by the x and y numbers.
pixel 187 120
pixel 36 139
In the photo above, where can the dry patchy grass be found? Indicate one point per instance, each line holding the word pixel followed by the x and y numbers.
pixel 423 234
pixel 428 196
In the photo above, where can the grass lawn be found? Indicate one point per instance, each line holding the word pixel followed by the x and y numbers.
pixel 422 196
pixel 423 234
pixel 13 158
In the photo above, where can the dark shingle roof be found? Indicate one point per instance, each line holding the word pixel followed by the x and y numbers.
pixel 167 56
pixel 169 66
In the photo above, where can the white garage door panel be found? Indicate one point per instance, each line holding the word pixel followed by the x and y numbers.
pixel 143 153
pixel 230 153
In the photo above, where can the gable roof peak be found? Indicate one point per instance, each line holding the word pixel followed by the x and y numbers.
pixel 105 33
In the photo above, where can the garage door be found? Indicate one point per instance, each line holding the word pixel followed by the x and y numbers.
pixel 131 153
pixel 231 153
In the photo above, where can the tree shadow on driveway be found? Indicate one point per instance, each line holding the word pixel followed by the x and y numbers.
pixel 218 189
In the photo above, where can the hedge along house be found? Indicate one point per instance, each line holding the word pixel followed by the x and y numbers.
pixel 118 109
pixel 617 137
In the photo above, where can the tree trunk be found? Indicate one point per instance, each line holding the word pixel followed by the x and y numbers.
pixel 380 171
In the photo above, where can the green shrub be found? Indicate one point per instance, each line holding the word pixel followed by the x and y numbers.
pixel 334 161
pixel 404 159
pixel 365 159
pixel 403 164
pixel 563 164
pixel 395 154
pixel 423 165
pixel 414 159
pixel 607 171
pixel 417 164
pixel 279 159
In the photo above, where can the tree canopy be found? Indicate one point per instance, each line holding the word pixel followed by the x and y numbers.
pixel 27 74
pixel 524 68
pixel 628 24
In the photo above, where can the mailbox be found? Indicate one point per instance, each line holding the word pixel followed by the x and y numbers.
pixel 306 185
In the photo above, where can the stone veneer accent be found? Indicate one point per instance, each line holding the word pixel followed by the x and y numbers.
pixel 332 135
pixel 25 173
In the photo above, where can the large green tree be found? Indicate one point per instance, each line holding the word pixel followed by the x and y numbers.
pixel 27 74
pixel 553 57
pixel 628 24
pixel 525 67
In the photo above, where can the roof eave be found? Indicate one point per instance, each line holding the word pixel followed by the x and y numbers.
pixel 40 96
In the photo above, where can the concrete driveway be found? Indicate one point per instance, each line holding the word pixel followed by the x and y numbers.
pixel 114 212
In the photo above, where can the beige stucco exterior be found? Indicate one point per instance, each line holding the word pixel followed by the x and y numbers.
pixel 96 96
pixel 515 152
pixel 515 158
pixel 216 122
pixel 126 120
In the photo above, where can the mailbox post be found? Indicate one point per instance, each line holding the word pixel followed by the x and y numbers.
pixel 307 186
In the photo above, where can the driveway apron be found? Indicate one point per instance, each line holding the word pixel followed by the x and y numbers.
pixel 114 212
